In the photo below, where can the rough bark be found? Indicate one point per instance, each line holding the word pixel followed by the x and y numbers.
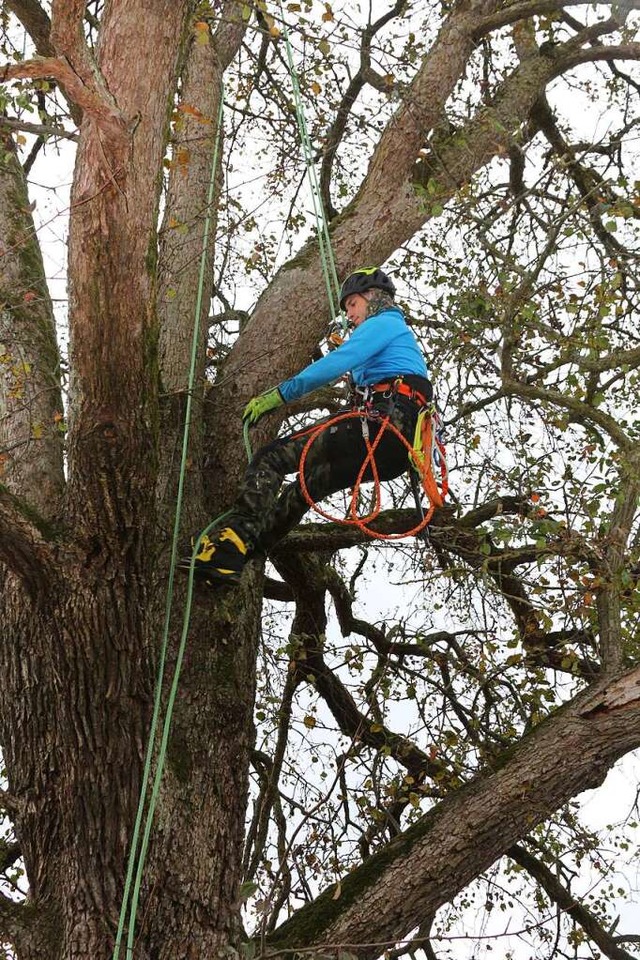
pixel 31 412
pixel 181 238
pixel 82 603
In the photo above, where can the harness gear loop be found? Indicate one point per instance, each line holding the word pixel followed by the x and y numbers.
pixel 428 453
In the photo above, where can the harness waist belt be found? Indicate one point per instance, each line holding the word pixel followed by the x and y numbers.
pixel 402 388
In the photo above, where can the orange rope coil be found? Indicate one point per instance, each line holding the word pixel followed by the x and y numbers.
pixel 422 462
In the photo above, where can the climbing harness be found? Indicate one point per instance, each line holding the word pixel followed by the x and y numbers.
pixel 425 455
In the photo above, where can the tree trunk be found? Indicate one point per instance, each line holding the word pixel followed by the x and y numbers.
pixel 31 412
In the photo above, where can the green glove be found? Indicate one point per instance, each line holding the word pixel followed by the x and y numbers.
pixel 263 403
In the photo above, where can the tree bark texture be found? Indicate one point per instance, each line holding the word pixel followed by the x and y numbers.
pixel 86 553
pixel 31 412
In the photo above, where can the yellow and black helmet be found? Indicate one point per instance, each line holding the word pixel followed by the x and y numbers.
pixel 365 279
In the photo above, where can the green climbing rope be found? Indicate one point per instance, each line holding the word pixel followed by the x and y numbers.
pixel 143 824
pixel 322 226
pixel 139 844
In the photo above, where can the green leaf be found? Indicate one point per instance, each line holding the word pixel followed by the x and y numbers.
pixel 247 890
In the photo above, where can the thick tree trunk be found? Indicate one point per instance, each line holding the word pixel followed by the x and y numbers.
pixel 74 713
pixel 81 636
pixel 31 414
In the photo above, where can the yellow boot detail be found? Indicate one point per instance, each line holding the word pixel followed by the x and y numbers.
pixel 229 534
pixel 207 549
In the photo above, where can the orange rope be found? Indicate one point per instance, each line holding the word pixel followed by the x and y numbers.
pixel 429 485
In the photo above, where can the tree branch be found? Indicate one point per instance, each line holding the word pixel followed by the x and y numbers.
pixel 308 582
pixel 86 96
pixel 338 127
pixel 38 129
pixel 31 928
pixel 581 411
pixel 429 863
pixel 9 853
pixel 229 32
pixel 24 548
pixel 36 22
pixel 30 396
pixel 521 11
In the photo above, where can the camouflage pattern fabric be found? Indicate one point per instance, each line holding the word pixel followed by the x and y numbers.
pixel 263 513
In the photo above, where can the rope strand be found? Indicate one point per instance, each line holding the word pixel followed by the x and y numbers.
pixel 139 845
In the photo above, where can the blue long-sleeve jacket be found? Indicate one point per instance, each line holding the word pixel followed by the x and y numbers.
pixel 381 347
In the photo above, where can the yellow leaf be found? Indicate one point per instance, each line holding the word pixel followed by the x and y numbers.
pixel 202 33
pixel 315 86
pixel 309 722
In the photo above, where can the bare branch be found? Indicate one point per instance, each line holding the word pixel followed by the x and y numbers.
pixel 36 22
pixel 581 412
pixel 364 75
pixel 564 899
pixel 521 11
pixel 429 863
pixel 308 582
pixel 574 58
pixel 38 129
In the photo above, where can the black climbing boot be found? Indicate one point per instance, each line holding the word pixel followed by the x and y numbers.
pixel 220 560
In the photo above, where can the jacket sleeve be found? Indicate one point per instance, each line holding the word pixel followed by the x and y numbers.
pixel 365 342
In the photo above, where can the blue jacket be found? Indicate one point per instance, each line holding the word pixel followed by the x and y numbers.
pixel 381 347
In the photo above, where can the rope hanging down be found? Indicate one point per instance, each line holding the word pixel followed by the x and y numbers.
pixel 322 226
pixel 139 844
pixel 422 464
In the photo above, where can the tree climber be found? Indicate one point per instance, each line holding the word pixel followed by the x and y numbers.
pixel 389 376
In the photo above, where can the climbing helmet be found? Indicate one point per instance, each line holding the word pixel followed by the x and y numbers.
pixel 367 278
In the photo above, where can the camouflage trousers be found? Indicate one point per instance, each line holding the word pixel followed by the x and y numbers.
pixel 265 511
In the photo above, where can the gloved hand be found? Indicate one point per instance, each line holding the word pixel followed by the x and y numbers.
pixel 263 403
